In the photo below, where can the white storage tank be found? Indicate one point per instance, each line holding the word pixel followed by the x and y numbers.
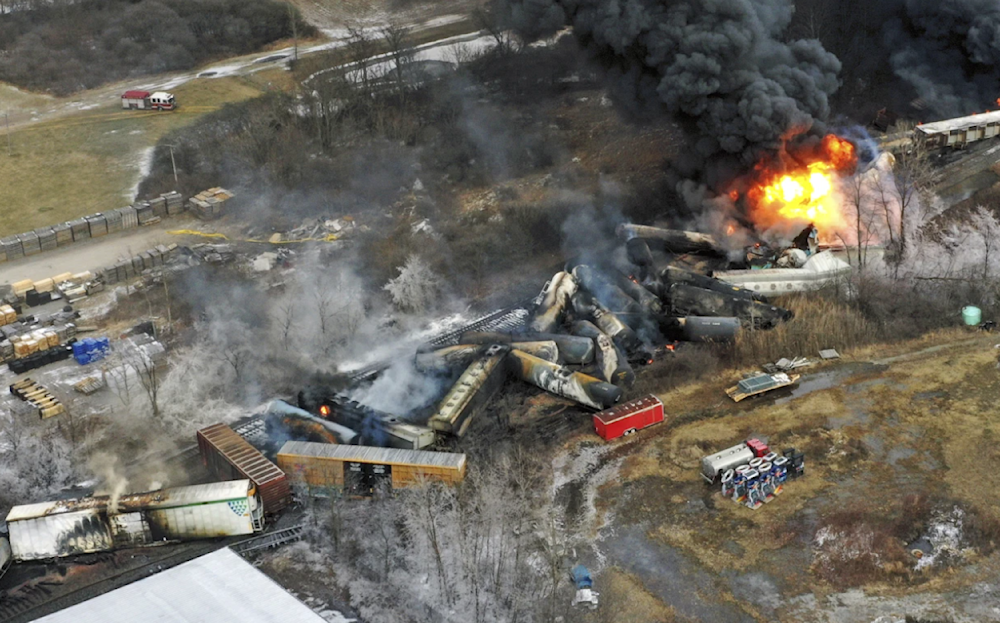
pixel 714 465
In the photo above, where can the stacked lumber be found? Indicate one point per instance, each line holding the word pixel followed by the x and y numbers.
pixel 38 397
pixel 210 204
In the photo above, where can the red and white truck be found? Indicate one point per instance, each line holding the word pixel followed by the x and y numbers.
pixel 144 100
pixel 628 417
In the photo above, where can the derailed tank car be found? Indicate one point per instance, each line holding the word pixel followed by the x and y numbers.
pixel 228 456
pixel 320 468
pixel 470 393
pixel 95 524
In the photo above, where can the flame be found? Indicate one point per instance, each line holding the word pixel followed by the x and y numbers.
pixel 730 229
pixel 324 411
pixel 801 186
pixel 998 101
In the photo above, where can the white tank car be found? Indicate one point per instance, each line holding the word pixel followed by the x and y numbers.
pixel 715 464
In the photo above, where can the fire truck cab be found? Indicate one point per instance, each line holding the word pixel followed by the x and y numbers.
pixel 161 100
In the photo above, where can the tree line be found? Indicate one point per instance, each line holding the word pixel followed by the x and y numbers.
pixel 63 47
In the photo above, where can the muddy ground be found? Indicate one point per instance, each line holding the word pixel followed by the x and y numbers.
pixel 900 457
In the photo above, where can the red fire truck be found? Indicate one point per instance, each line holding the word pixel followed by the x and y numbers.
pixel 628 417
pixel 144 100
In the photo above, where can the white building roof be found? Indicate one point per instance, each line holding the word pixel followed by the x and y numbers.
pixel 219 587
pixel 959 123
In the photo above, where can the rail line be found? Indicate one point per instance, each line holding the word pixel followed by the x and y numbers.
pixel 34 601
pixel 502 320
pixel 268 540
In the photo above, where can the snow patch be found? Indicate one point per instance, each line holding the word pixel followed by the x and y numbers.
pixel 145 164
pixel 945 536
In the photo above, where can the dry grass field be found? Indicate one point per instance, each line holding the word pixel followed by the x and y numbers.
pixel 90 161
pixel 889 447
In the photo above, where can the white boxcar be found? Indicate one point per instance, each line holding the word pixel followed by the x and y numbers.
pixel 70 527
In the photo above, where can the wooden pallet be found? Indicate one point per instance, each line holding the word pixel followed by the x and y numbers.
pixel 89 385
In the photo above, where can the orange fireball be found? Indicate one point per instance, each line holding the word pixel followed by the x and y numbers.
pixel 801 189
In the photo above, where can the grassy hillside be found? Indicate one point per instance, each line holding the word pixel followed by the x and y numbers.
pixel 87 162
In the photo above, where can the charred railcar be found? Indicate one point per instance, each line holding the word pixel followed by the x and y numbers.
pixel 99 523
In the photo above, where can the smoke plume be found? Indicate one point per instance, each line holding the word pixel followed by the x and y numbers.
pixel 948 52
pixel 719 63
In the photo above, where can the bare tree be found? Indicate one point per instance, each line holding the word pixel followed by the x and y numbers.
pixel 911 176
pixel 117 376
pixel 490 19
pixel 361 49
pixel 862 217
pixel 286 320
pixel 147 370
pixel 397 40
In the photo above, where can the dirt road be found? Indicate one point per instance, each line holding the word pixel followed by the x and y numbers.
pixel 90 254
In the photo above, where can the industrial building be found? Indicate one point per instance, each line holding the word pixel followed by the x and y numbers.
pixel 219 587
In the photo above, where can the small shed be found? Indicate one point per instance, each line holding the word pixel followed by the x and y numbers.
pixel 135 99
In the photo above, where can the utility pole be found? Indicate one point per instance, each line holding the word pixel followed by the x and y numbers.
pixel 295 32
pixel 173 163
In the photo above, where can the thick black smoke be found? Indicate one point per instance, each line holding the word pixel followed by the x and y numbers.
pixel 948 51
pixel 720 63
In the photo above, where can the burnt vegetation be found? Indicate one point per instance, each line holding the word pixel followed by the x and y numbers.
pixel 62 47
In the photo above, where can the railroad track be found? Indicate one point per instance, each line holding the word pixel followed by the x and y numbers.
pixel 268 540
pixel 503 320
pixel 37 600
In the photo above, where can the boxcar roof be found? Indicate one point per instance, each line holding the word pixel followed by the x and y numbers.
pixel 958 123
pixel 369 454
pixel 241 454
pixel 163 498
pixel 633 406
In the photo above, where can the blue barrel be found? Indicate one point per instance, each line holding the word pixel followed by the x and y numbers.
pixel 972 316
